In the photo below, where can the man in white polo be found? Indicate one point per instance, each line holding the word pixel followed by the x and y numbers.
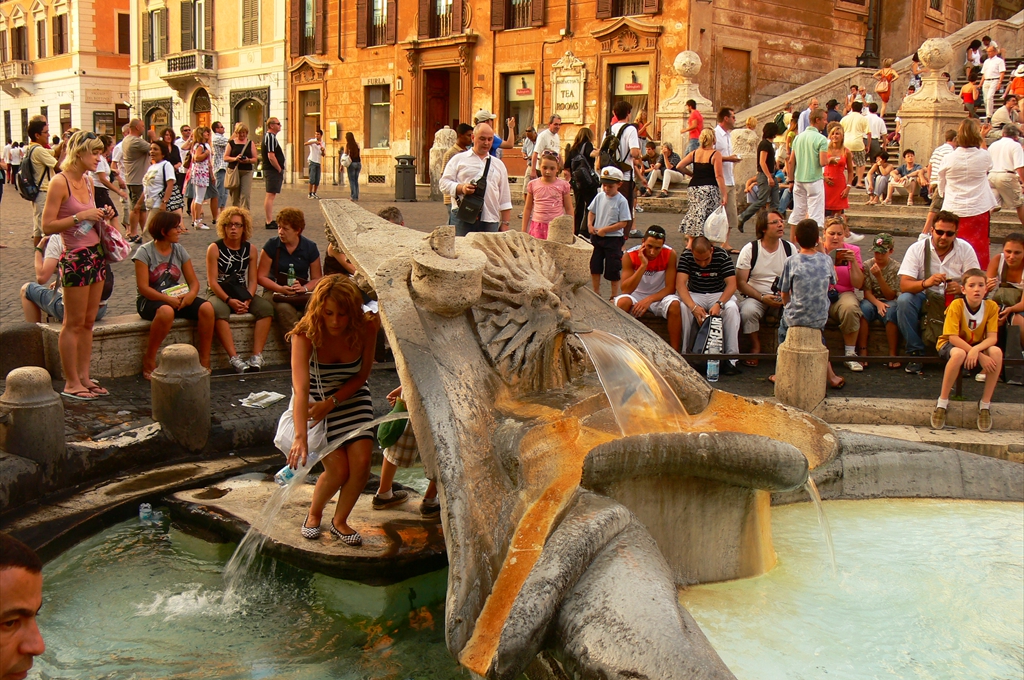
pixel 993 70
pixel 547 140
pixel 462 177
pixel 804 169
pixel 1007 171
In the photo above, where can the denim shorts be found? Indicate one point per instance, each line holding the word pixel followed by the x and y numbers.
pixel 314 174
pixel 51 301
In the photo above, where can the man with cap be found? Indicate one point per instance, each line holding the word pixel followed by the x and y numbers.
pixel 830 111
pixel 881 288
pixel 1007 171
pixel 485 116
pixel 462 175
pixel 649 283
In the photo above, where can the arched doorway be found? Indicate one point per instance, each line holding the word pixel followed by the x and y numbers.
pixel 250 112
pixel 157 114
pixel 201 108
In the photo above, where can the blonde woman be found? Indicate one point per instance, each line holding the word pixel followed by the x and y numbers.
pixel 200 188
pixel 231 279
pixel 71 211
pixel 838 173
pixel 707 186
pixel 332 353
pixel 883 87
pixel 240 155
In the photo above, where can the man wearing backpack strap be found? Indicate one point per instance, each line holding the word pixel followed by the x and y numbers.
pixel 41 162
pixel 758 270
pixel 628 155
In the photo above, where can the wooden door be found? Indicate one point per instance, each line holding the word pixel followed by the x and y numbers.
pixel 734 79
pixel 436 103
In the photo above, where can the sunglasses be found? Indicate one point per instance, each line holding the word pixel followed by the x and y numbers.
pixel 549 153
pixel 941 232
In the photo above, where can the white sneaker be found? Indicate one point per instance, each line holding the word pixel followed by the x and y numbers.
pixel 981 377
pixel 203 227
pixel 256 362
pixel 854 366
pixel 237 363
pixel 854 238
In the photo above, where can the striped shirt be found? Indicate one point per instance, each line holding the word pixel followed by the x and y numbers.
pixel 935 161
pixel 710 279
pixel 325 379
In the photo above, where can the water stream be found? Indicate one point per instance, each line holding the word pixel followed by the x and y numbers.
pixel 241 561
pixel 812 490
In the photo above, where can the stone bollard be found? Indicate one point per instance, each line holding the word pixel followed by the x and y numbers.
pixel 33 425
pixel 181 396
pixel 801 369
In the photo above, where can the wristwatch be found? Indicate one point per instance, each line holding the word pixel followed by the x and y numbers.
pixel 335 401
pixel 75 218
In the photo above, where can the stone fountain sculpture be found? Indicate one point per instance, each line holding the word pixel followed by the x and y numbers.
pixel 928 113
pixel 567 539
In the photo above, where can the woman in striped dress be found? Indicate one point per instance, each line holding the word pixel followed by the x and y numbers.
pixel 332 353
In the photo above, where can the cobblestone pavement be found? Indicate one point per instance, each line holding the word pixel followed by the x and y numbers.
pixel 423 215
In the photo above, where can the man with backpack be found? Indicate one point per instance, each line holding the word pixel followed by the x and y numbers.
pixel 758 270
pixel 37 168
pixel 620 148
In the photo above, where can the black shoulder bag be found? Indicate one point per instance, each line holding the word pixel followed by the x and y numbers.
pixel 472 205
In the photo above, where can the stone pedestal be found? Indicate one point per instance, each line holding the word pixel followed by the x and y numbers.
pixel 672 114
pixel 444 139
pixel 181 396
pixel 447 274
pixel 33 422
pixel 928 113
pixel 801 369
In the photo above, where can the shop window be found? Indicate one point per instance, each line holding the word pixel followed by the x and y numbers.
pixel 378 112
pixel 630 82
pixel 60 34
pixel 518 101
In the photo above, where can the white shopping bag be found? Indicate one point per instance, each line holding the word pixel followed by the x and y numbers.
pixel 716 226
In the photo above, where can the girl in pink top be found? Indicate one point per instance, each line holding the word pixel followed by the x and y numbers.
pixel 547 197
pixel 71 211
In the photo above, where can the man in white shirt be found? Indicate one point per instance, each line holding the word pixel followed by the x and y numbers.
pixel 529 142
pixel 220 168
pixel 878 130
pixel 932 173
pixel 629 152
pixel 949 257
pixel 547 140
pixel 116 161
pixel 6 158
pixel 1007 113
pixel 804 121
pixel 1007 172
pixel 460 178
pixel 316 154
pixel 855 131
pixel 758 269
pixel 993 70
pixel 723 145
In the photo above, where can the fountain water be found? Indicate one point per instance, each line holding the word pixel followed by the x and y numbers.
pixel 812 490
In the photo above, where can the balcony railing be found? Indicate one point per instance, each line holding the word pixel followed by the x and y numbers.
pixel 443 19
pixel 379 30
pixel 15 70
pixel 521 13
pixel 190 63
pixel 628 8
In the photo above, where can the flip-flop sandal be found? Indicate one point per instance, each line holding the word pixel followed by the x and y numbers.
pixel 99 391
pixel 84 395
pixel 353 539
pixel 310 533
pixel 839 385
pixel 733 251
pixel 893 365
pixel 752 363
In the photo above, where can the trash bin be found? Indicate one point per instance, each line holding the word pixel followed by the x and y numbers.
pixel 405 178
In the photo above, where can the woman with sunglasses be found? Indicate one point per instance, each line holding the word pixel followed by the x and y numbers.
pixel 71 211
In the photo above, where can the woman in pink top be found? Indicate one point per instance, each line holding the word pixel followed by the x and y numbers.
pixel 849 277
pixel 71 212
pixel 547 197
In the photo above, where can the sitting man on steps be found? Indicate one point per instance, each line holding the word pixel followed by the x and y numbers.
pixel 663 169
pixel 649 283
pixel 937 270
pixel 705 283
pixel 758 270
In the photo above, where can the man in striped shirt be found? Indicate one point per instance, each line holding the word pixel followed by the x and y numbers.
pixel 706 284
pixel 934 163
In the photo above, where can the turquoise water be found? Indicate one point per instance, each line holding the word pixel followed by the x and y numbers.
pixel 925 589
pixel 146 602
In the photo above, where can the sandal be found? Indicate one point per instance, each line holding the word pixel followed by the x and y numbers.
pixel 752 363
pixel 83 395
pixel 839 385
pixel 97 390
pixel 662 194
pixel 310 533
pixel 893 365
pixel 353 539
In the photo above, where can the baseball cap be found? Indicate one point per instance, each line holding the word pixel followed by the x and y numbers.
pixel 655 231
pixel 483 116
pixel 882 243
pixel 611 174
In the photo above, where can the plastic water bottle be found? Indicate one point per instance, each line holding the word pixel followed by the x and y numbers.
pixel 712 370
pixel 286 474
pixel 145 512
pixel 291 275
pixel 714 347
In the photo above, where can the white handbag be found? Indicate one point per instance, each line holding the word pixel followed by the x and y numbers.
pixel 316 435
pixel 346 160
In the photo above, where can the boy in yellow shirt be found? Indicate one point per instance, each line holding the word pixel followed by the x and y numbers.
pixel 969 339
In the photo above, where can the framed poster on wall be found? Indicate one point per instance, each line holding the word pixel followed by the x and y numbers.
pixel 103 123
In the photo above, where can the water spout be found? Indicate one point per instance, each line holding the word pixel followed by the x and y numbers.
pixel 812 490
pixel 640 397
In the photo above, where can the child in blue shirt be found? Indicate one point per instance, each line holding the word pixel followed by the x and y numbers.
pixel 608 215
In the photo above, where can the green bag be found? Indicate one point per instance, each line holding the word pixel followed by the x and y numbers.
pixel 389 432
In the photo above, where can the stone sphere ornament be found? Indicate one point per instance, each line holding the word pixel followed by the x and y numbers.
pixel 935 53
pixel 687 64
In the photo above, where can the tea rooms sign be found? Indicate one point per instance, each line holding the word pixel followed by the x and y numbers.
pixel 568 78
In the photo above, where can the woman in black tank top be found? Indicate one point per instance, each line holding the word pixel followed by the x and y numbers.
pixel 707 186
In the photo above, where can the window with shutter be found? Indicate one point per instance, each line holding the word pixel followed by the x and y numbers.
pixel 604 9
pixel 313 35
pixel 41 38
pixel 3 59
pixel 426 12
pixel 362 23
pixel 296 21
pixel 147 37
pixel 537 8
pixel 499 14
pixel 124 33
pixel 250 22
pixel 321 27
pixel 162 31
pixel 651 6
pixel 208 24
pixel 457 16
pixel 187 20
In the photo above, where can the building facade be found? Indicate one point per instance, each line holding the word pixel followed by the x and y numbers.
pixel 65 59
pixel 393 72
pixel 199 61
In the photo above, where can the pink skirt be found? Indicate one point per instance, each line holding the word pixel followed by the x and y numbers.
pixel 538 230
pixel 974 230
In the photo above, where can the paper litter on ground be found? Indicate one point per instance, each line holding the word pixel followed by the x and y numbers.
pixel 261 399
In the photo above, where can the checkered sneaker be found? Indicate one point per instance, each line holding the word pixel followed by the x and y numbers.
pixel 403 453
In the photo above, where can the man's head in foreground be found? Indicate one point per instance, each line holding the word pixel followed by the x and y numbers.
pixel 21 596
